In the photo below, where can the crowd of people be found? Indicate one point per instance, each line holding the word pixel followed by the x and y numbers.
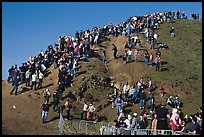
pixel 69 50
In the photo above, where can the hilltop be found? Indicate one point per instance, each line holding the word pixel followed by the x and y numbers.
pixel 181 75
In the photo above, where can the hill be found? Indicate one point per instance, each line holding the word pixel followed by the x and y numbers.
pixel 181 75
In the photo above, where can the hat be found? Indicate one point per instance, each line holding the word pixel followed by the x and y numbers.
pixel 47 90
pixel 135 114
pixel 90 104
pixel 129 117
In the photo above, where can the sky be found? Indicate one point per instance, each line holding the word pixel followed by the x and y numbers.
pixel 28 27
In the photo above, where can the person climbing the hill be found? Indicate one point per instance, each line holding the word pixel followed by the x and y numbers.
pixel 84 111
pixel 10 71
pixel 125 56
pixel 68 107
pixel 114 51
pixel 146 58
pixel 126 89
pixel 151 57
pixel 129 55
pixel 158 63
pixel 142 99
pixel 119 105
pixel 45 109
pixel 172 32
pixel 152 103
pixel 15 86
pixel 46 95
pixel 136 52
pixel 104 56
pixel 55 100
pixel 90 111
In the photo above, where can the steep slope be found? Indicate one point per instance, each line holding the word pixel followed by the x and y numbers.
pixel 181 75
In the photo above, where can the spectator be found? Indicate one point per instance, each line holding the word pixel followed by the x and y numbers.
pixel 10 71
pixel 46 95
pixel 158 63
pixel 143 122
pixel 126 89
pixel 136 52
pixel 177 103
pixel 34 79
pixel 162 91
pixel 68 107
pixel 119 104
pixel 162 115
pixel 152 104
pixel 40 79
pixel 28 74
pixel 104 56
pixel 15 86
pixel 154 124
pixel 55 100
pixel 170 101
pixel 84 111
pixel 129 53
pixel 91 110
pixel 125 56
pixel 172 32
pixel 151 57
pixel 142 99
pixel 135 121
pixel 121 115
pixel 175 120
pixel 45 109
pixel 114 51
pixel 127 121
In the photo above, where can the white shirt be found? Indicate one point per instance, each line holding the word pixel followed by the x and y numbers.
pixel 127 122
pixel 41 75
pixel 126 88
pixel 129 52
pixel 34 77
pixel 85 107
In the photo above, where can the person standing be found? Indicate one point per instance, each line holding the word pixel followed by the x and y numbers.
pixel 84 111
pixel 129 55
pixel 34 79
pixel 158 63
pixel 28 77
pixel 10 71
pixel 45 109
pixel 151 59
pixel 135 121
pixel 91 109
pixel 67 106
pixel 46 95
pixel 136 52
pixel 142 99
pixel 40 79
pixel 162 115
pixel 126 89
pixel 124 57
pixel 55 100
pixel 114 51
pixel 119 104
pixel 104 56
pixel 152 104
